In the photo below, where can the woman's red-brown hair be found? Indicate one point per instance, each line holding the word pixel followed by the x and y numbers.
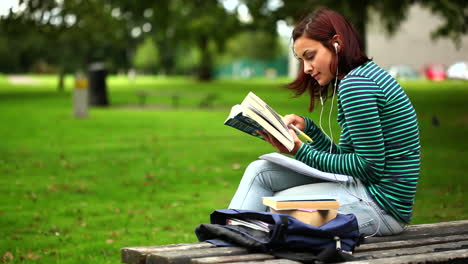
pixel 322 25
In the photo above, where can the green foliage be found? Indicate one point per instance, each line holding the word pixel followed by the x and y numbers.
pixel 188 58
pixel 257 45
pixel 146 56
pixel 75 190
pixel 455 14
pixel 184 25
pixel 69 34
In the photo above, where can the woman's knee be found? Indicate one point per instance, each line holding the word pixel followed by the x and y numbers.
pixel 256 168
pixel 265 174
pixel 259 166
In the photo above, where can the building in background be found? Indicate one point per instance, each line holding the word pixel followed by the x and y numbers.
pixel 412 44
pixel 250 68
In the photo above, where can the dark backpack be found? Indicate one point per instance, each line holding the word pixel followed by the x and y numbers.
pixel 286 236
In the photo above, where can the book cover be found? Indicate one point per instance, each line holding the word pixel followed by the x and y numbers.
pixel 319 202
pixel 254 114
pixel 311 217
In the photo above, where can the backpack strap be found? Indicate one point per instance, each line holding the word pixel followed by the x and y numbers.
pixel 279 230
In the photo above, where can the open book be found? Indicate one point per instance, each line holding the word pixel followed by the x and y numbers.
pixel 254 114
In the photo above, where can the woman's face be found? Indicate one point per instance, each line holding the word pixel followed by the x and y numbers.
pixel 316 59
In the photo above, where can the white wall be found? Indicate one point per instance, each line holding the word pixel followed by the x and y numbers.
pixel 293 63
pixel 412 44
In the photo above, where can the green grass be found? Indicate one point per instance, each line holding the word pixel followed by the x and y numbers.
pixel 78 190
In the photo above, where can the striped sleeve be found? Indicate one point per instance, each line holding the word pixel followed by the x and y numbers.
pixel 359 98
pixel 321 141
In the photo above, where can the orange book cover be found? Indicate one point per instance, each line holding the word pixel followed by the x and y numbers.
pixel 319 202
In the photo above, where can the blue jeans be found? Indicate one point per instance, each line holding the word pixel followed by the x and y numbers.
pixel 263 178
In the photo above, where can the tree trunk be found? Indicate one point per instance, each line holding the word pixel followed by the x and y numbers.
pixel 361 21
pixel 61 81
pixel 167 55
pixel 205 68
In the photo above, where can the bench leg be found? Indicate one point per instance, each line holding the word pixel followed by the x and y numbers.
pixel 207 101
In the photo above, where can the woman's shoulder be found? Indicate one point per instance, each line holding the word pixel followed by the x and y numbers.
pixel 367 72
pixel 361 80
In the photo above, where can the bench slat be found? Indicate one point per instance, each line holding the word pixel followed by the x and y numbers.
pixel 184 256
pixel 410 243
pixel 419 241
pixel 137 255
pixel 425 230
pixel 412 250
pixel 274 261
pixel 236 258
pixel 454 256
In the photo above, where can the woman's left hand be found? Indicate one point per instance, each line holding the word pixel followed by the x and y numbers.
pixel 280 147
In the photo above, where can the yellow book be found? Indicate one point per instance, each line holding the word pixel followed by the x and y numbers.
pixel 319 202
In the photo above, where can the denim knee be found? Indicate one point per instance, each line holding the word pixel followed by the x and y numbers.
pixel 256 168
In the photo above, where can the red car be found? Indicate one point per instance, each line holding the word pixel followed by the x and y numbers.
pixel 435 72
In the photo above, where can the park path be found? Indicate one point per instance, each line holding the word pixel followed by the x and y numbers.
pixel 22 79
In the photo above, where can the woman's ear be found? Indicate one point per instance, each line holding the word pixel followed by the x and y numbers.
pixel 337 43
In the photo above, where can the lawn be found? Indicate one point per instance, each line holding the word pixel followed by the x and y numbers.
pixel 77 190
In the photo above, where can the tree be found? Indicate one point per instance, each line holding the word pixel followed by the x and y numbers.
pixel 177 24
pixel 392 13
pixel 257 45
pixel 146 56
pixel 208 23
pixel 71 33
pixel 19 43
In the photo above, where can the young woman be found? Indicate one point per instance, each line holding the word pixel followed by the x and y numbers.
pixel 379 143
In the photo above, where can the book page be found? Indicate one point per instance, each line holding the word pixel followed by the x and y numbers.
pixel 303 168
pixel 253 114
pixel 254 224
pixel 287 142
pixel 263 109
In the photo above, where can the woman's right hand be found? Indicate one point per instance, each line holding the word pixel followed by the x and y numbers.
pixel 296 120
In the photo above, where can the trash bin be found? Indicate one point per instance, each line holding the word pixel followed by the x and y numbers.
pixel 97 85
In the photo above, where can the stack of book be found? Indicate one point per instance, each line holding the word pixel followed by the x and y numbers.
pixel 314 210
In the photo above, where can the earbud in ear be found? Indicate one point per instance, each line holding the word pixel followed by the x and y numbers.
pixel 336 46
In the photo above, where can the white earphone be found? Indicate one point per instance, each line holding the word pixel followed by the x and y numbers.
pixel 336 46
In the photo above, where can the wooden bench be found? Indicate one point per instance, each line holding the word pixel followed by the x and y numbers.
pixel 445 242
pixel 205 99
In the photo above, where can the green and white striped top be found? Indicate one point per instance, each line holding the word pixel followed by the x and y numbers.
pixel 379 142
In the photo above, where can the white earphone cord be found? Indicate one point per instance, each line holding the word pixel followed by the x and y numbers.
pixel 331 143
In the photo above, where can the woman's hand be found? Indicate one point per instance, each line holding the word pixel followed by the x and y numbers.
pixel 280 147
pixel 296 120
